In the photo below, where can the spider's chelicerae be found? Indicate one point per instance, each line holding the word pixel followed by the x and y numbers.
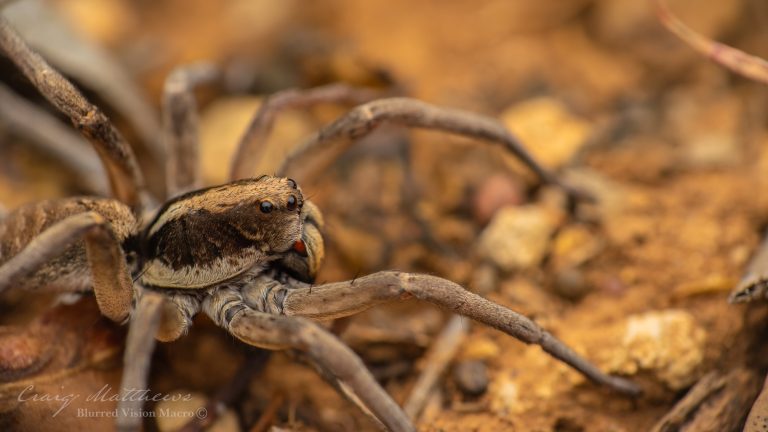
pixel 245 253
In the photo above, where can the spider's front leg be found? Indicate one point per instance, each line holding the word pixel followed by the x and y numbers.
pixel 229 310
pixel 336 300
pixel 112 283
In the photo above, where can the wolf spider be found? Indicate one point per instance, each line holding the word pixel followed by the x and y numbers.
pixel 245 252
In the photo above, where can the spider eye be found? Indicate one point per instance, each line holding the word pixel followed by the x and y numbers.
pixel 265 207
pixel 292 182
pixel 291 203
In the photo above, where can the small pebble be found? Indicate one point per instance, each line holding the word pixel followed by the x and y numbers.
pixel 471 377
pixel 570 284
pixel 495 192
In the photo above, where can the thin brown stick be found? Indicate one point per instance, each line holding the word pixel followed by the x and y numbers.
pixel 124 175
pixel 253 142
pixel 339 299
pixel 138 352
pixel 53 138
pixel 363 119
pixel 738 61
pixel 268 416
pixel 708 385
pixel 180 122
pixel 436 362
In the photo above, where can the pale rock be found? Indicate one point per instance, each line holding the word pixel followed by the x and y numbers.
pixel 667 344
pixel 549 131
pixel 517 237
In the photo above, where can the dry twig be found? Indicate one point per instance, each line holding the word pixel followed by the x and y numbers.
pixel 436 362
pixel 738 61
pixel 269 414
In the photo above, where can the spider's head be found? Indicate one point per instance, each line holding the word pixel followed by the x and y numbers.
pixel 211 235
pixel 304 259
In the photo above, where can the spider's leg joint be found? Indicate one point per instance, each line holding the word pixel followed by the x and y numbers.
pixel 365 121
pixel 279 298
pixel 232 312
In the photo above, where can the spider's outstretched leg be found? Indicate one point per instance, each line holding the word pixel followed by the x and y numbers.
pixel 411 113
pixel 163 317
pixel 112 283
pixel 138 353
pixel 227 308
pixel 54 138
pixel 125 177
pixel 180 126
pixel 251 146
pixel 335 300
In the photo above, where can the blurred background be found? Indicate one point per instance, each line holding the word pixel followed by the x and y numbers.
pixel 671 144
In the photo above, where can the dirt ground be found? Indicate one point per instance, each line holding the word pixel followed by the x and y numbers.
pixel 670 144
